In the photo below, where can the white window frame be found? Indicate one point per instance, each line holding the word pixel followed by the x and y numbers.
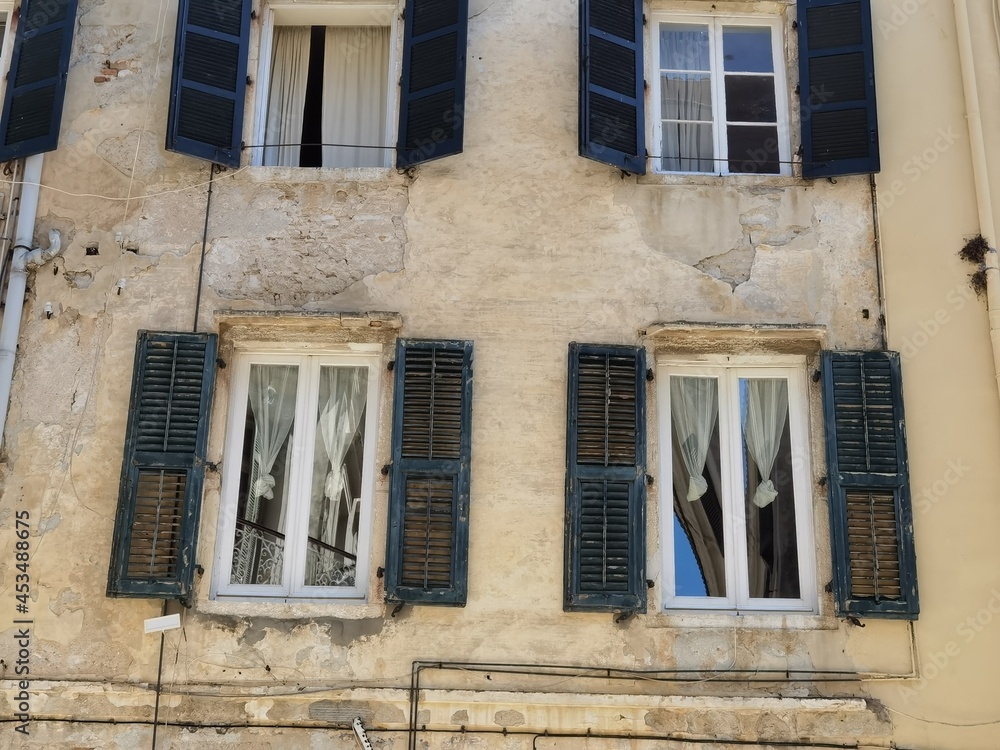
pixel 303 438
pixel 330 13
pixel 728 370
pixel 715 24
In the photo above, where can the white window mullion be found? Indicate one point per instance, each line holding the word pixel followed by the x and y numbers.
pixel 734 515
pixel 300 495
pixel 262 87
pixel 719 97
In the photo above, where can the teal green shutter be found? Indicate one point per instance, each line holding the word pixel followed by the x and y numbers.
pixel 837 88
pixel 870 510
pixel 36 83
pixel 156 528
pixel 208 88
pixel 432 84
pixel 612 84
pixel 605 545
pixel 427 554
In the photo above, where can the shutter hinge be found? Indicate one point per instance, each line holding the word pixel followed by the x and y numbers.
pixel 855 621
pixel 650 480
pixel 643 19
pixel 385 470
pixel 795 24
pixel 220 363
pixel 816 376
pixel 212 466
pixel 199 569
pixel 253 15
pixel 829 587
pixel 398 608
pixel 249 81
pixel 822 481
pixel 380 573
pixel 650 375
pixel 391 366
pixel 649 583
pixel 798 89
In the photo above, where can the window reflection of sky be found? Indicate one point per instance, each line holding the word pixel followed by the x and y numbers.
pixel 688 579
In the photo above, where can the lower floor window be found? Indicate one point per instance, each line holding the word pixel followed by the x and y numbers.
pixel 297 493
pixel 737 526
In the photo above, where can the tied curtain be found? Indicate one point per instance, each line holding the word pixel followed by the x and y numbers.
pixel 695 408
pixel 766 410
pixel 272 399
pixel 343 394
pixel 354 94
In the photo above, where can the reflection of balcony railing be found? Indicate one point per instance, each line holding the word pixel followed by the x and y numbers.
pixel 327 565
pixel 259 554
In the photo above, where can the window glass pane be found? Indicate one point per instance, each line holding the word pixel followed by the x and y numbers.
pixel 688 147
pixel 699 540
pixel 769 500
pixel 338 468
pixel 687 96
pixel 258 553
pixel 753 149
pixel 747 49
pixel 751 99
pixel 684 46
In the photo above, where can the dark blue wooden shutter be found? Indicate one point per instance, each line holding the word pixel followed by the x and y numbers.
pixel 871 516
pixel 432 98
pixel 612 122
pixel 159 504
pixel 606 479
pixel 36 83
pixel 837 88
pixel 208 90
pixel 428 547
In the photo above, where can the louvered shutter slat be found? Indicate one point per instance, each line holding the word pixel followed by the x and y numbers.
pixel 427 553
pixel 156 526
pixel 837 84
pixel 612 119
pixel 871 516
pixel 605 500
pixel 432 98
pixel 36 91
pixel 208 88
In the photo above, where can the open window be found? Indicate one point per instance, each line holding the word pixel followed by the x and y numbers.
pixel 326 77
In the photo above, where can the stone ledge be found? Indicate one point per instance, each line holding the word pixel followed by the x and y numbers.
pixel 734 338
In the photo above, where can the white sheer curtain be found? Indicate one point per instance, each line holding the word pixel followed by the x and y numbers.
pixel 287 95
pixel 343 393
pixel 763 426
pixel 694 408
pixel 355 89
pixel 688 145
pixel 272 399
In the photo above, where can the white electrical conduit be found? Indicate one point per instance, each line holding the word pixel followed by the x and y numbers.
pixel 21 257
pixel 984 200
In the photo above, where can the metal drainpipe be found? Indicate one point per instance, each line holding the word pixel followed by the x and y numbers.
pixel 980 172
pixel 17 283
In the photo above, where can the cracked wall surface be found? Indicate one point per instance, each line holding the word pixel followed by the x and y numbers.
pixel 518 244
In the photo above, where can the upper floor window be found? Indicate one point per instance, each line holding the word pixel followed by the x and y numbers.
pixel 327 98
pixel 298 488
pixel 721 105
pixel 737 524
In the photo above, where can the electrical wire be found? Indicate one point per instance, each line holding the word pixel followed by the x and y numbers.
pixel 994 722
pixel 120 200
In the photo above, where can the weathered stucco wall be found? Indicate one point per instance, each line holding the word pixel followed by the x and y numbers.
pixel 517 244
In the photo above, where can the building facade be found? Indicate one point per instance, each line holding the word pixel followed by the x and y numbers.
pixel 495 373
